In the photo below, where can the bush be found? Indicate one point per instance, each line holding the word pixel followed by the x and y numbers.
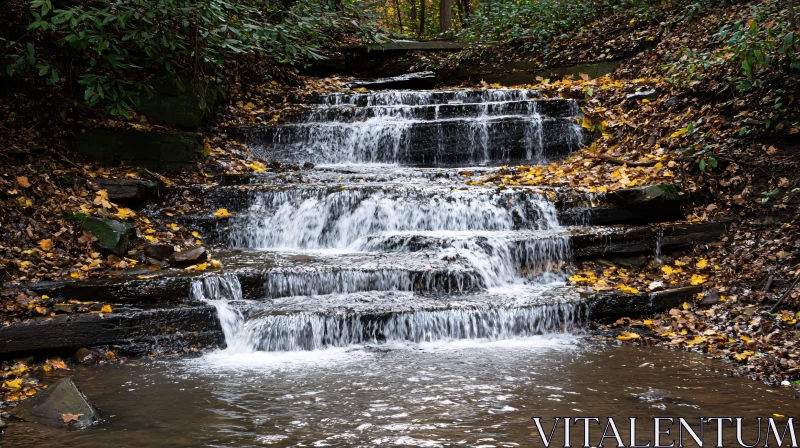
pixel 114 49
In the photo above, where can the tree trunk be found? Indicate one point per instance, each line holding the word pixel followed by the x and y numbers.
pixel 413 18
pixel 399 17
pixel 792 17
pixel 445 15
pixel 464 7
pixel 421 18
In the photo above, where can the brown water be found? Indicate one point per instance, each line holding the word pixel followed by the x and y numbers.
pixel 447 394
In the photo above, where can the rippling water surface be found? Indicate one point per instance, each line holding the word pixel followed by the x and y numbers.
pixel 465 393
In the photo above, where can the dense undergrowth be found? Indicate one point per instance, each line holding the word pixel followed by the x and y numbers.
pixel 110 53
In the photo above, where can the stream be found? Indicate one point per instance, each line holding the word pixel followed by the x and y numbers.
pixel 397 305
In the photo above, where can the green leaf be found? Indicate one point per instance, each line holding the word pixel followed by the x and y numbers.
pixel 712 161
pixel 702 165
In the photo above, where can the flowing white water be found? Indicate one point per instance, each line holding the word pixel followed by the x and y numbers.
pixel 338 219
pixel 385 262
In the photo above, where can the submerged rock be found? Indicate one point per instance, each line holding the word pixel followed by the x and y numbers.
pixel 188 257
pixel 60 405
pixel 113 236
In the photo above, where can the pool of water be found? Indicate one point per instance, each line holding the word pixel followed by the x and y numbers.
pixel 464 393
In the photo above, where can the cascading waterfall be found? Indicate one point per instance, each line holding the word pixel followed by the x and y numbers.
pixel 312 331
pixel 319 219
pixel 381 261
pixel 454 127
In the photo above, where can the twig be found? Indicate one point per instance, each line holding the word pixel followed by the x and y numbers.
pixel 786 294
pixel 768 285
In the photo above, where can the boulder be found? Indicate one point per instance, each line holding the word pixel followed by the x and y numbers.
pixel 185 106
pixel 158 251
pixel 171 151
pixel 128 190
pixel 112 236
pixel 188 257
pixel 417 81
pixel 83 355
pixel 652 199
pixel 61 405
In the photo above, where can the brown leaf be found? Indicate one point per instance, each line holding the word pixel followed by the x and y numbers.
pixel 69 418
pixel 23 182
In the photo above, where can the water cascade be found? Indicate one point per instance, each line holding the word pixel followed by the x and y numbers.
pixel 369 253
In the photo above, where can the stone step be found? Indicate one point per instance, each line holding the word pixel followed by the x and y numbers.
pixel 416 98
pixel 135 332
pixel 552 108
pixel 271 274
pixel 424 268
pixel 427 143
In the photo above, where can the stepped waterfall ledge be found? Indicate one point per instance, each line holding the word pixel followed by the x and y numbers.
pixel 426 128
pixel 370 253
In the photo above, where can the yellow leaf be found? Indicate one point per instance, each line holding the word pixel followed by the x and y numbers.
pixel 778 415
pixel 46 244
pixel 680 263
pixel 647 322
pixel 685 305
pixel 702 263
pixel 215 264
pixel 147 276
pixel 13 384
pixel 679 132
pixel 683 331
pixel 151 238
pixel 628 289
pixel 745 338
pixel 75 275
pixel 124 213
pixel 698 279
pixel 627 336
pixel 173 226
pixel 196 234
pixel 257 167
pixel 106 309
pixel 221 213
pixel 667 270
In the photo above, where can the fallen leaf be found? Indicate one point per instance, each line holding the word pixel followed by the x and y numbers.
pixel 221 213
pixel 69 418
pixel 22 181
pixel 46 245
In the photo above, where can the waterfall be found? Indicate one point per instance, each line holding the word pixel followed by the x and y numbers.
pixel 364 254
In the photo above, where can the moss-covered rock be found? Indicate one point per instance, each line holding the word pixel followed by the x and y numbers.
pixel 185 108
pixel 159 152
pixel 113 236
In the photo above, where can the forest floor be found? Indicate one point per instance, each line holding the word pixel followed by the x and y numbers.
pixel 735 155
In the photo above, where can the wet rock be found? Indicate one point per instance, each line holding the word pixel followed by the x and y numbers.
pixel 64 308
pixel 419 80
pixel 650 95
pixel 83 355
pixel 128 190
pixel 2 425
pixel 630 262
pixel 60 405
pixel 25 361
pixel 112 236
pixel 188 257
pixel 159 251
